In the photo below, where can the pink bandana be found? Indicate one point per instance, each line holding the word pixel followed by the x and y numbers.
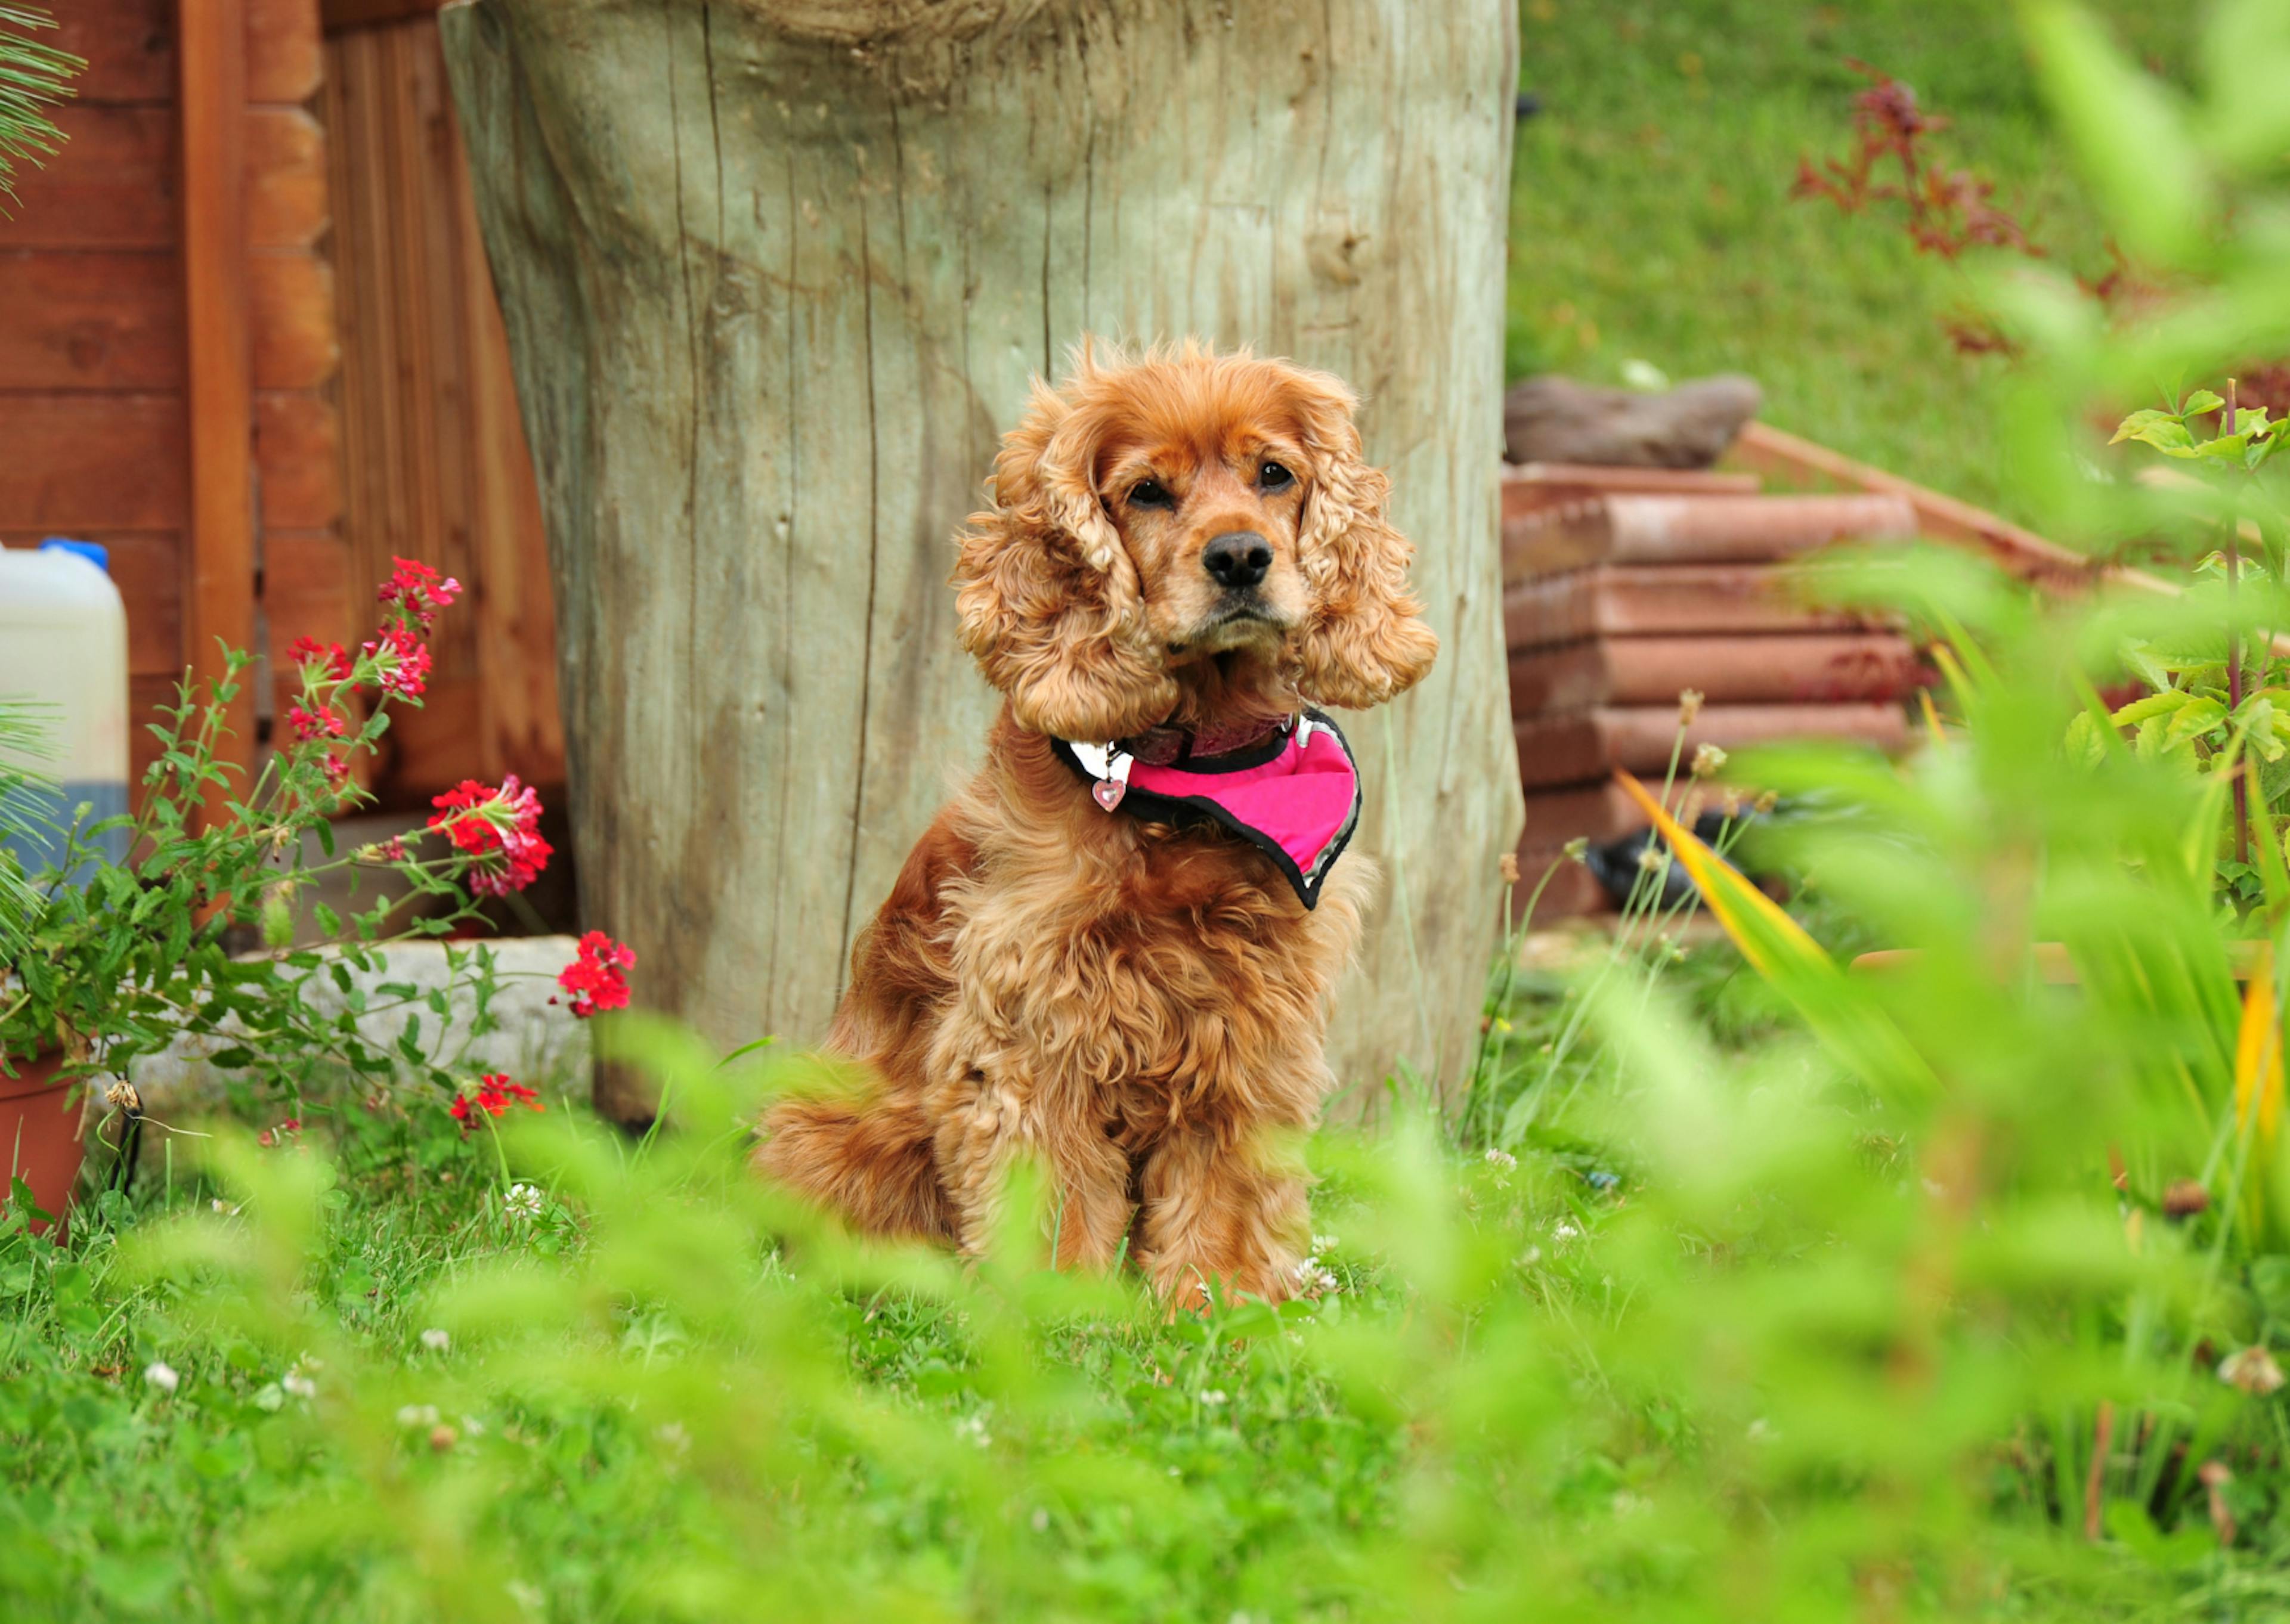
pixel 1295 796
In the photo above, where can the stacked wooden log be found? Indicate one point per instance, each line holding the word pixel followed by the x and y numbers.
pixel 1624 587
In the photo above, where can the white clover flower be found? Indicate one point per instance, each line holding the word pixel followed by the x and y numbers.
pixel 162 1375
pixel 1532 1256
pixel 1324 1243
pixel 1500 1158
pixel 972 1428
pixel 522 1203
pixel 472 1428
pixel 1213 1397
pixel 1563 1231
pixel 299 1385
pixel 2252 1369
pixel 417 1415
pixel 436 1341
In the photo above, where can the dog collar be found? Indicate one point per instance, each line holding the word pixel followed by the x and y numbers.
pixel 1295 795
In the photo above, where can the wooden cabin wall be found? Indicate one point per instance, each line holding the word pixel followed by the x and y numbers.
pixel 434 457
pixel 93 341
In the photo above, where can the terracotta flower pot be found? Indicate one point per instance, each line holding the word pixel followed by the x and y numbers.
pixel 40 1131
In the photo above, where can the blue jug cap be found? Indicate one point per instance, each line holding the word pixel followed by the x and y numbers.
pixel 94 552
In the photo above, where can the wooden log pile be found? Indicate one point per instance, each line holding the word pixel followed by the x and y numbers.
pixel 1624 587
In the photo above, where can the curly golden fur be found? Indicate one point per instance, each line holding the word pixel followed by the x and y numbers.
pixel 1140 1006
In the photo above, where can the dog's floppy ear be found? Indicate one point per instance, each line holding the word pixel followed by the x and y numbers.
pixel 1364 640
pixel 1048 599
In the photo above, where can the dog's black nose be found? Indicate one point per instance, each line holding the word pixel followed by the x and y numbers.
pixel 1237 558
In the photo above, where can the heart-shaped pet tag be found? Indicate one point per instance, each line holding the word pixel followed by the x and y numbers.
pixel 1109 792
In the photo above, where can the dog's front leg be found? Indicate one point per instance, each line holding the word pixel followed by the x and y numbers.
pixel 1234 1213
pixel 991 1116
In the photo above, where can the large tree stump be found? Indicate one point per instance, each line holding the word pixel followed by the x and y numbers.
pixel 775 278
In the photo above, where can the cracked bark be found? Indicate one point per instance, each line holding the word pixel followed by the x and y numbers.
pixel 759 415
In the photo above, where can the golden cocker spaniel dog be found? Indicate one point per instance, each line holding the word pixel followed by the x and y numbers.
pixel 1114 950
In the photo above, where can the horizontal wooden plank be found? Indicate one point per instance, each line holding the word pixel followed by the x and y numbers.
pixel 286 204
pixel 340 16
pixel 113 185
pixel 1624 600
pixel 290 300
pixel 285 53
pixel 1795 670
pixel 129 46
pixel 1600 811
pixel 93 320
pixel 93 462
pixel 146 567
pixel 1772 452
pixel 1586 745
pixel 1530 487
pixel 297 459
pixel 1648 529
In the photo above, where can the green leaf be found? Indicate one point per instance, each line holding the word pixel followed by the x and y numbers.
pixel 2200 402
pixel 2164 430
pixel 2154 705
pixel 2127 131
pixel 2193 719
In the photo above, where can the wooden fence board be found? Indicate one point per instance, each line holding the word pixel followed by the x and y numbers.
pixel 113 185
pixel 291 299
pixel 284 54
pixel 93 462
pixel 434 463
pixel 286 178
pixel 297 453
pixel 97 320
pixel 129 46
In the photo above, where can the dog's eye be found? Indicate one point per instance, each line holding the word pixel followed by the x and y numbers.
pixel 1152 493
pixel 1272 477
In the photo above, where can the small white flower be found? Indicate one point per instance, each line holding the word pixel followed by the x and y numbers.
pixel 672 1434
pixel 162 1375
pixel 1563 1231
pixel 972 1428
pixel 1213 1397
pixel 225 1208
pixel 521 1204
pixel 472 1428
pixel 299 1385
pixel 417 1415
pixel 436 1341
pixel 2252 1369
pixel 1500 1158
pixel 1324 1243
pixel 1532 1256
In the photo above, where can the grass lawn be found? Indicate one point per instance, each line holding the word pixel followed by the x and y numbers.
pixel 1650 216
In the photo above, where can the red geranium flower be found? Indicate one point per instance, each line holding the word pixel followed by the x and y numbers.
pixel 495 1095
pixel 500 828
pixel 320 724
pixel 595 978
pixel 417 590
pixel 402 661
pixel 331 658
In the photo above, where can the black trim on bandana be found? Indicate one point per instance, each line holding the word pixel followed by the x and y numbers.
pixel 1195 810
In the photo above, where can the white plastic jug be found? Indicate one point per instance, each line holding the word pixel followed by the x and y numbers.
pixel 63 646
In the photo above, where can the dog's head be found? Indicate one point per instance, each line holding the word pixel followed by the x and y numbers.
pixel 1185 524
